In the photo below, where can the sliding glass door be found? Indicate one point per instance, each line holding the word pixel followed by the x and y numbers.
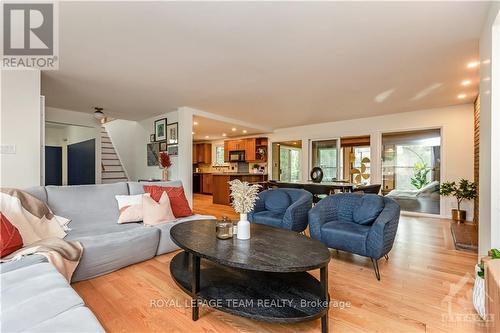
pixel 411 169
pixel 289 164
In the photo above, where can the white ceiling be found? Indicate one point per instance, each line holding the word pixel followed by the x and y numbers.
pixel 276 64
pixel 212 129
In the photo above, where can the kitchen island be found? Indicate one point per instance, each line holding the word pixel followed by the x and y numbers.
pixel 220 184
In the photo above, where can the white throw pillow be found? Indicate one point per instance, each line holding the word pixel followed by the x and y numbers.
pixel 130 207
pixel 157 212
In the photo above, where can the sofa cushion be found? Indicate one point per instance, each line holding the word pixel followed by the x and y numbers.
pixel 166 244
pixel 34 294
pixel 10 238
pixel 23 262
pixel 345 236
pixel 138 187
pixel 105 252
pixel 38 192
pixel 274 219
pixel 76 320
pixel 369 209
pixel 178 200
pixel 130 207
pixel 277 201
pixel 157 212
pixel 86 204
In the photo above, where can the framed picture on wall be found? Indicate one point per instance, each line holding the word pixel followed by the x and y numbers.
pixel 172 133
pixel 173 150
pixel 161 129
pixel 163 146
pixel 152 154
pixel 152 138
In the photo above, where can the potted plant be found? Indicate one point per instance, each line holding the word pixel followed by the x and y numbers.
pixel 244 197
pixel 464 190
pixel 165 163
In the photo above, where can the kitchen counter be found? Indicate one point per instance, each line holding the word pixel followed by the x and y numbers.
pixel 220 188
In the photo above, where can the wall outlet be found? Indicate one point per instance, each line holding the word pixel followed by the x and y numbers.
pixel 7 149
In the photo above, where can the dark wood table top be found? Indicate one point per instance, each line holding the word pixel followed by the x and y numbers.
pixel 269 249
pixel 326 184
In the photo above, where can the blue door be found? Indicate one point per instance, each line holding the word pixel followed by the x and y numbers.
pixel 81 163
pixel 53 165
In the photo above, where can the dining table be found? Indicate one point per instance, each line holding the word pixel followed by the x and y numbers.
pixel 323 187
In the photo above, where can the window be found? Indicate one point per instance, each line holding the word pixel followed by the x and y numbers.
pixel 289 164
pixel 355 159
pixel 411 168
pixel 361 163
pixel 324 155
pixel 219 155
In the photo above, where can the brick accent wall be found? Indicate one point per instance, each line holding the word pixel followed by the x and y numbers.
pixel 477 107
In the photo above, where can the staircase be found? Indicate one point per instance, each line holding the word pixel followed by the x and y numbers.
pixel 111 167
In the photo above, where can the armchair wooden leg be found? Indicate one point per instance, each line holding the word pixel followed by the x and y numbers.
pixel 375 267
pixel 386 256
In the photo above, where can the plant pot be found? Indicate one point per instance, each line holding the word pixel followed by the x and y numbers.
pixel 458 215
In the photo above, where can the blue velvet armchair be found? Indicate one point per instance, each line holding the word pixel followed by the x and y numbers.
pixel 362 224
pixel 285 208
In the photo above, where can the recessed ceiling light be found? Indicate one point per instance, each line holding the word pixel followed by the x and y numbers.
pixel 465 82
pixel 206 136
pixel 244 131
pixel 473 64
pixel 195 123
pixel 233 129
pixel 462 96
pixel 224 134
pixel 193 133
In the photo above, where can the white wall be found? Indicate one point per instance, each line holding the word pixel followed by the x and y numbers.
pixel 20 122
pixel 489 164
pixel 79 127
pixel 131 137
pixel 456 149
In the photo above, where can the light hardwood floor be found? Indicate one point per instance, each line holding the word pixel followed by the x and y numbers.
pixel 426 286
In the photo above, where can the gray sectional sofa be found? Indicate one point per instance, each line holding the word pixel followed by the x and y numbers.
pixel 108 246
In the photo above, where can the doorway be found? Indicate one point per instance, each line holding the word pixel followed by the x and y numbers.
pixel 287 157
pixel 70 154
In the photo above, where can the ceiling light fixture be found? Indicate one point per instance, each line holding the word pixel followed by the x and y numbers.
pixel 462 96
pixel 473 64
pixel 224 134
pixel 465 82
pixel 98 114
pixel 193 133
pixel 195 123
pixel 244 131
pixel 206 136
pixel 233 129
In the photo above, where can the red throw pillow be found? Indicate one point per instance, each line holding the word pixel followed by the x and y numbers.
pixel 10 238
pixel 178 201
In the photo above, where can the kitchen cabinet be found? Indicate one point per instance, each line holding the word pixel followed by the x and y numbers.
pixel 250 146
pixel 250 149
pixel 202 153
pixel 206 183
pixel 226 151
pixel 255 149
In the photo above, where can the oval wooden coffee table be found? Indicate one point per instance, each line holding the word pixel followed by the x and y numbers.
pixel 263 278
